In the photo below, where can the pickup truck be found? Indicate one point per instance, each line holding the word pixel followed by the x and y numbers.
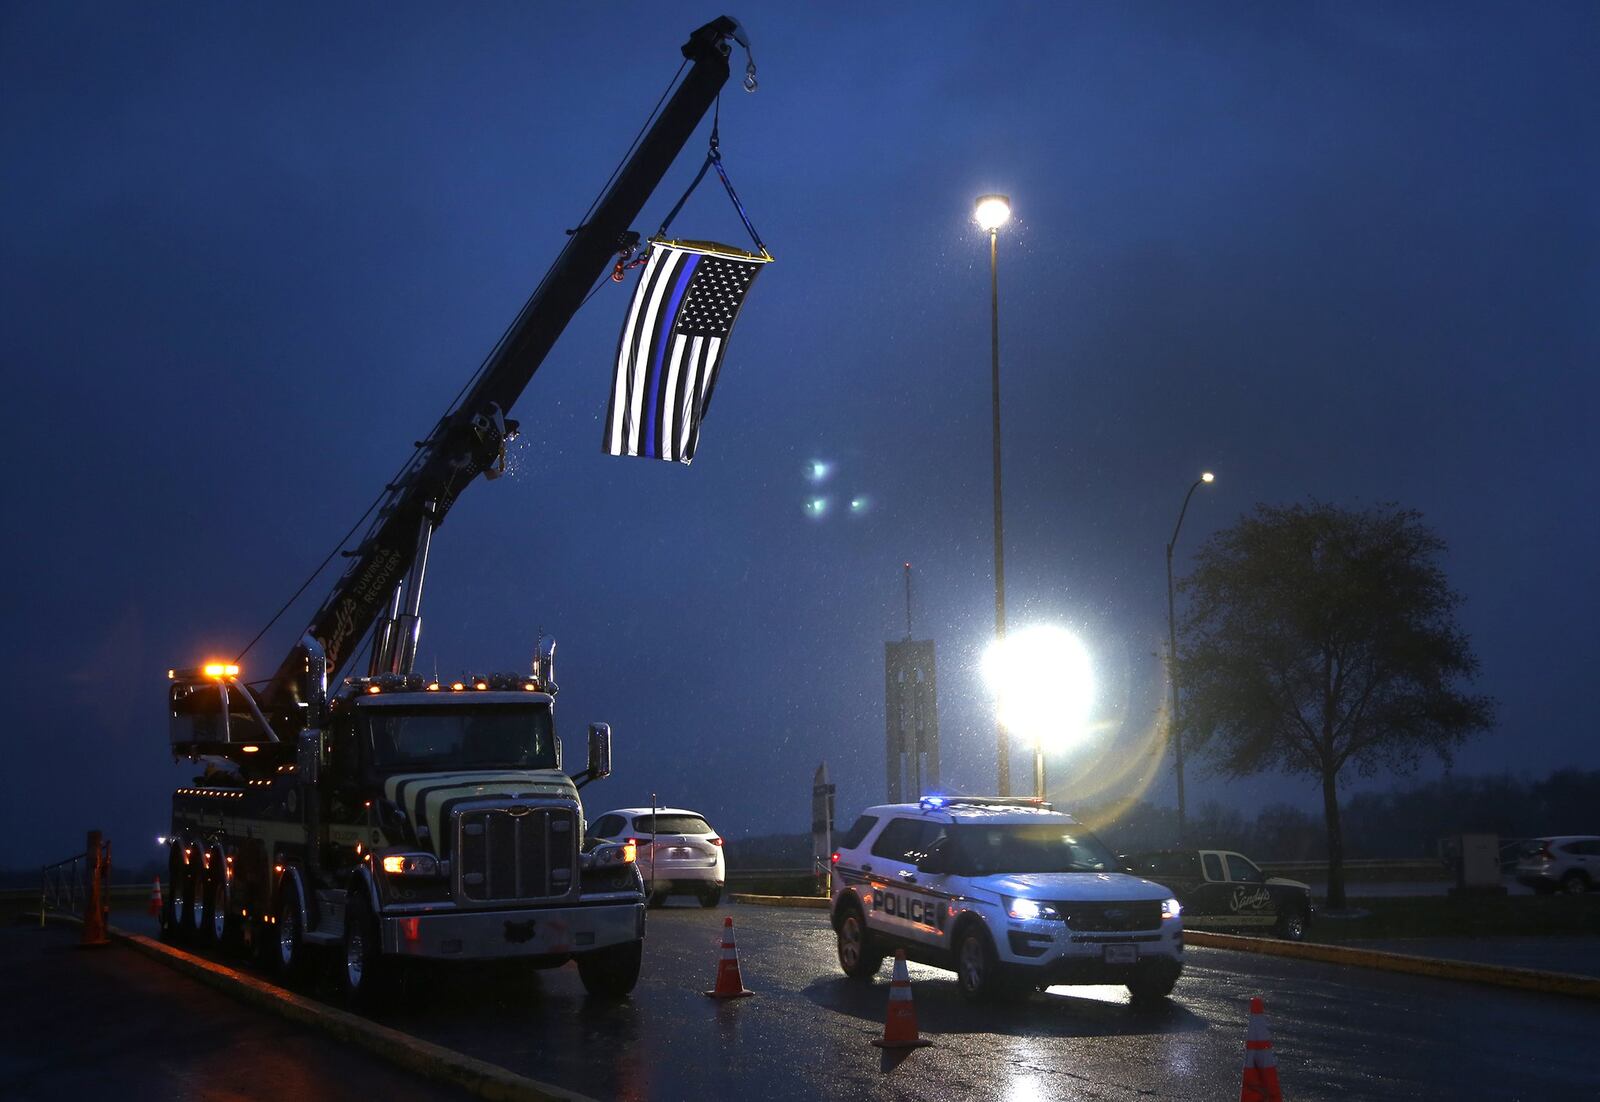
pixel 1223 890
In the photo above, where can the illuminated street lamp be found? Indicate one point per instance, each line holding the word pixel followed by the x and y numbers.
pixel 991 212
pixel 1043 685
pixel 1176 732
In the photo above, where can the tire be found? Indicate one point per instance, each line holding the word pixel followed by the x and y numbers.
pixel 710 897
pixel 171 899
pixel 1574 883
pixel 290 951
pixel 857 958
pixel 611 973
pixel 1154 984
pixel 190 888
pixel 214 927
pixel 1292 924
pixel 364 973
pixel 979 973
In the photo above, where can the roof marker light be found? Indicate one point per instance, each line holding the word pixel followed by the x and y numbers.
pixel 221 669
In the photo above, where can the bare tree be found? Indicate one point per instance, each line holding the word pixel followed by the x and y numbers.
pixel 1319 639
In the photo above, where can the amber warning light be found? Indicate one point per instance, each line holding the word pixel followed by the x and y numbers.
pixel 221 669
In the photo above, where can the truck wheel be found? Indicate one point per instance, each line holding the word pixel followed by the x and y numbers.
pixel 192 912
pixel 1292 924
pixel 172 901
pixel 978 969
pixel 1153 984
pixel 289 959
pixel 214 893
pixel 366 973
pixel 611 973
pixel 856 956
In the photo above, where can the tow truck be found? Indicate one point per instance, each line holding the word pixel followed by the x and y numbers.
pixel 397 816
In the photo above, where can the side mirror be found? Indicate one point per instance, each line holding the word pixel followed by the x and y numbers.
pixel 599 752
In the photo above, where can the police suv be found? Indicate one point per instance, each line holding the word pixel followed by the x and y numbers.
pixel 1008 893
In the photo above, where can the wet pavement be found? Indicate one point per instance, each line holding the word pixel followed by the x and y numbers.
pixel 1339 1033
pixel 107 1023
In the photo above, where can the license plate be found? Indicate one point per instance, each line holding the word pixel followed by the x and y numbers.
pixel 1122 954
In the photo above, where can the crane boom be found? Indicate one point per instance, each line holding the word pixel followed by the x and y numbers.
pixel 470 438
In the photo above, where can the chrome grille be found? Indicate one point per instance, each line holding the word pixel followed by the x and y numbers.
pixel 1136 915
pixel 509 854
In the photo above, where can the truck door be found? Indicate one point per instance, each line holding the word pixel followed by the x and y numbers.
pixel 1249 901
pixel 901 905
pixel 1207 904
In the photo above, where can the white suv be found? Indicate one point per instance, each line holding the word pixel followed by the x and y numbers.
pixel 1009 894
pixel 1564 862
pixel 678 852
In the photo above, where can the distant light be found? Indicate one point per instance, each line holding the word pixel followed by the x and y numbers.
pixel 860 504
pixel 1208 477
pixel 819 470
pixel 457 686
pixel 1043 684
pixel 817 508
pixel 992 212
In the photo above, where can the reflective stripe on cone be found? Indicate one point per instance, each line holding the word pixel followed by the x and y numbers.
pixel 729 984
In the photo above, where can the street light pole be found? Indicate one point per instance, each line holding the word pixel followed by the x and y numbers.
pixel 992 212
pixel 1175 732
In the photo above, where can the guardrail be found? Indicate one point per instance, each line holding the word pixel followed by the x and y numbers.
pixel 79 886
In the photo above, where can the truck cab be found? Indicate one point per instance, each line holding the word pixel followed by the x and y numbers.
pixel 420 820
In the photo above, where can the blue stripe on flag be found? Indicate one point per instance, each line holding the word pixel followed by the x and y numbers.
pixel 658 360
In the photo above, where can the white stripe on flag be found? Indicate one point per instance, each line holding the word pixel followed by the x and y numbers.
pixel 691 387
pixel 623 384
pixel 669 401
pixel 641 359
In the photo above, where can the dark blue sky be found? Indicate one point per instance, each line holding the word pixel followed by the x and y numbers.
pixel 1349 252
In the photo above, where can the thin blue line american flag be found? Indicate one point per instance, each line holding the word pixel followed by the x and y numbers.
pixel 671 349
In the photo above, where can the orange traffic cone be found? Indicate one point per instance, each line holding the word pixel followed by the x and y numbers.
pixel 900 1028
pixel 729 985
pixel 155 897
pixel 1260 1066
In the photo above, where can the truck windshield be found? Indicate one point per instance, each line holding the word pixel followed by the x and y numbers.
pixel 1028 847
pixel 483 736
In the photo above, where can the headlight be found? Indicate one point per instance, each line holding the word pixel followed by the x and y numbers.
pixel 1171 908
pixel 411 864
pixel 609 854
pixel 1028 909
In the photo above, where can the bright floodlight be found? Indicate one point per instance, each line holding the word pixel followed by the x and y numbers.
pixel 818 470
pixel 993 211
pixel 1208 477
pixel 1043 684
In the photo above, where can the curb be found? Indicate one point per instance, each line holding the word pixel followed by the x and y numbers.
pixel 424 1058
pixel 1498 975
pixel 816 903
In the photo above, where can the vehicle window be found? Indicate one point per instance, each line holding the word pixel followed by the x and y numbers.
pixel 900 839
pixel 672 824
pixel 477 737
pixel 1029 847
pixel 1242 871
pixel 1213 865
pixel 858 831
pixel 1145 864
pixel 607 826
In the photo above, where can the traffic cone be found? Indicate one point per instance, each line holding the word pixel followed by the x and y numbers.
pixel 729 985
pixel 155 897
pixel 1260 1065
pixel 900 1028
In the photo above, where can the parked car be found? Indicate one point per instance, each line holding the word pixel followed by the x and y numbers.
pixel 1007 894
pixel 678 852
pixel 1563 862
pixel 1223 890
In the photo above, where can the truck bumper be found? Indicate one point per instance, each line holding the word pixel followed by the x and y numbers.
pixel 536 931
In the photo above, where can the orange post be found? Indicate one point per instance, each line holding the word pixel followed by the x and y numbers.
pixel 94 904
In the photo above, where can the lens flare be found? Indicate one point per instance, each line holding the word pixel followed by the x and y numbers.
pixel 1043 684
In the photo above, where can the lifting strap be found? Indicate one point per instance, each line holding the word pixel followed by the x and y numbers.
pixel 714 158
